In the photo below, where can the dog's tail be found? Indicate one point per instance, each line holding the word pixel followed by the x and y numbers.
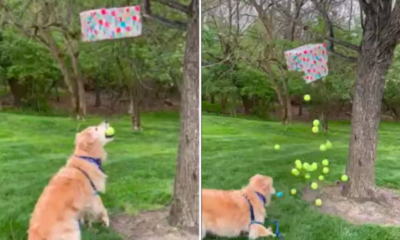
pixel 258 230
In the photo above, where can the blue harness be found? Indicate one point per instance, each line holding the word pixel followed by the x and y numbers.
pixel 95 161
pixel 252 217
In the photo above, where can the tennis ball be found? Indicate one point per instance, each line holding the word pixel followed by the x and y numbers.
pixel 325 170
pixel 306 165
pixel 315 129
pixel 325 162
pixel 314 166
pixel 299 166
pixel 322 147
pixel 321 178
pixel 328 144
pixel 295 172
pixel 316 122
pixel 110 131
pixel 307 176
pixel 344 178
pixel 307 97
pixel 277 147
pixel 314 185
pixel 297 162
pixel 293 191
pixel 318 202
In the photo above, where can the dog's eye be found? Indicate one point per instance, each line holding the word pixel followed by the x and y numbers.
pixel 96 129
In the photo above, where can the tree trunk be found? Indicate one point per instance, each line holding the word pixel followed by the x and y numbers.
pixel 379 41
pixel 185 206
pixel 97 93
pixel 74 54
pixel 300 108
pixel 18 90
pixel 134 107
pixel 247 104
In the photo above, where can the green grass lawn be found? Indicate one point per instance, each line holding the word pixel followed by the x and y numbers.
pixel 235 149
pixel 140 166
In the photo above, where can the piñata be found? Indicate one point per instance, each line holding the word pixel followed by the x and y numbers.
pixel 112 23
pixel 311 59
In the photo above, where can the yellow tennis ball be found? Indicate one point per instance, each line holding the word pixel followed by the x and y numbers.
pixel 316 122
pixel 314 166
pixel 325 162
pixel 315 129
pixel 325 170
pixel 314 185
pixel 321 178
pixel 328 144
pixel 293 191
pixel 299 166
pixel 318 202
pixel 277 147
pixel 297 162
pixel 344 178
pixel 307 97
pixel 295 172
pixel 306 165
pixel 322 147
pixel 110 131
pixel 307 176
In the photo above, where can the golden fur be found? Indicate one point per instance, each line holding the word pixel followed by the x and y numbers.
pixel 69 194
pixel 227 214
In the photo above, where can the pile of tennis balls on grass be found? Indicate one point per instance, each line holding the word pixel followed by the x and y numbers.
pixel 306 168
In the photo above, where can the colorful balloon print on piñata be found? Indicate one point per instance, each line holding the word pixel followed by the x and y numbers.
pixel 111 23
pixel 311 59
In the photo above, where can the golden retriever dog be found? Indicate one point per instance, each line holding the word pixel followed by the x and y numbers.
pixel 73 191
pixel 229 213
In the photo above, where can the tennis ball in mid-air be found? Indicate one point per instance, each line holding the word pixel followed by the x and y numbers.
pixel 297 162
pixel 277 147
pixel 325 170
pixel 344 178
pixel 314 166
pixel 318 202
pixel 321 178
pixel 322 147
pixel 328 144
pixel 307 97
pixel 293 191
pixel 307 176
pixel 316 122
pixel 315 129
pixel 110 131
pixel 325 162
pixel 295 172
pixel 306 165
pixel 314 185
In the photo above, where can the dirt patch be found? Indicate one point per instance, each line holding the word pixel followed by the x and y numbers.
pixel 355 212
pixel 150 225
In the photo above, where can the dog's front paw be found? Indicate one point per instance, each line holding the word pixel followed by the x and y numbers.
pixel 105 220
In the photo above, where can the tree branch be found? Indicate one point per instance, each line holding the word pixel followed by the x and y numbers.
pixel 175 5
pixel 147 13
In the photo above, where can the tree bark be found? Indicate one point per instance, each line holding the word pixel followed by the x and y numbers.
pixel 97 91
pixel 18 90
pixel 134 107
pixel 185 206
pixel 380 34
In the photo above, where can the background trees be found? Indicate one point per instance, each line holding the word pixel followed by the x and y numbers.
pixel 243 56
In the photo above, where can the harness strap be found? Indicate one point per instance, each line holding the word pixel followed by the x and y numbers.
pixel 252 216
pixel 90 180
pixel 95 161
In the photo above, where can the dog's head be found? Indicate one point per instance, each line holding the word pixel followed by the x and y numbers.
pixel 93 138
pixel 264 185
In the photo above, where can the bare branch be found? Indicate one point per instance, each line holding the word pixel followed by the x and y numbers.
pixel 175 5
pixel 147 13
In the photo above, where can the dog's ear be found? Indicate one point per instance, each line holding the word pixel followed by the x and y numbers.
pixel 86 139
